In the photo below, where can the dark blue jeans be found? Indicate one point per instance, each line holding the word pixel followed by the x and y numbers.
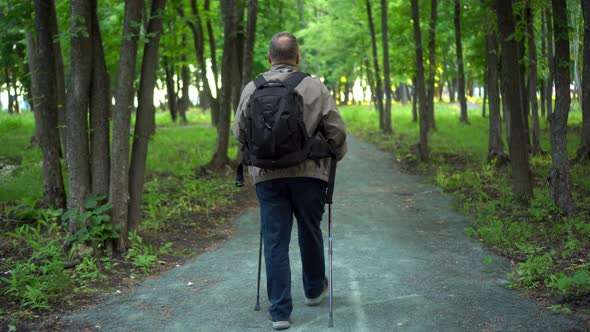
pixel 279 200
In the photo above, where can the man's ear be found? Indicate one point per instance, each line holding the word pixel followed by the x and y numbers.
pixel 268 56
pixel 297 60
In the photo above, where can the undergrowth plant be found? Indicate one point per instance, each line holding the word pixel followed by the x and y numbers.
pixel 551 251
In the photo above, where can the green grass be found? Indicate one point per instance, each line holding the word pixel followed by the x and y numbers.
pixel 553 250
pixel 176 193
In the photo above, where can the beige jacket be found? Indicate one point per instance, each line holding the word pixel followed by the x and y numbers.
pixel 319 107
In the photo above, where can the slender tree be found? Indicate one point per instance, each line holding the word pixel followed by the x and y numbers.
pixel 60 84
pixel 559 176
pixel 432 63
pixel 100 110
pixel 495 143
pixel 378 96
pixel 551 64
pixel 230 10
pixel 532 78
pixel 145 122
pixel 583 153
pixel 386 72
pixel 199 41
pixel 124 94
pixel 249 42
pixel 460 67
pixel 521 180
pixel 78 100
pixel 42 63
pixel 423 150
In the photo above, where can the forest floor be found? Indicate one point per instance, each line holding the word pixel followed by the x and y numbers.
pixel 401 261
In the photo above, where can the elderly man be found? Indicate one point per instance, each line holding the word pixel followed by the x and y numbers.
pixel 298 190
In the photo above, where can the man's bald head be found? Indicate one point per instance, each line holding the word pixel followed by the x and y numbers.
pixel 284 49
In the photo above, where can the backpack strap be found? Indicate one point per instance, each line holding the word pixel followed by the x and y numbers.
pixel 259 81
pixel 295 79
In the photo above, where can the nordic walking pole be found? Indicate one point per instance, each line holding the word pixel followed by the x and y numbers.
pixel 329 195
pixel 257 306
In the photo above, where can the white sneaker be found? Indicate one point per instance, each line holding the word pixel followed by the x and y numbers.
pixel 317 300
pixel 281 324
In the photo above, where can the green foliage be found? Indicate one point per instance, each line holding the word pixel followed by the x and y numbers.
pixel 41 277
pixel 93 222
pixel 144 255
pixel 552 250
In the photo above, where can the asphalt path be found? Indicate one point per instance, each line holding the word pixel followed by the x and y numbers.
pixel 401 263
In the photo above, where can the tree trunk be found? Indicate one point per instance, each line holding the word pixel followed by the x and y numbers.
pixel 184 102
pixel 145 122
pixel 583 153
pixel 532 71
pixel 220 158
pixel 551 62
pixel 559 177
pixel 452 89
pixel 432 64
pixel 249 42
pixel 403 89
pixel 460 69
pixel 100 109
pixel 78 100
pixel 414 102
pixel 124 95
pixel 521 181
pixel 199 40
pixel 238 48
pixel 423 150
pixel 386 72
pixel 212 46
pixel 377 79
pixel 543 56
pixel 495 144
pixel 60 84
pixel 42 68
pixel 524 94
pixel 170 88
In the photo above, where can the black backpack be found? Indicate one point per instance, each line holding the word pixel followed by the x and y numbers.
pixel 275 134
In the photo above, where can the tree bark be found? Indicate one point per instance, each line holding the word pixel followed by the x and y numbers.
pixel 583 153
pixel 559 176
pixel 377 78
pixel 543 56
pixel 78 100
pixel 60 84
pixel 532 71
pixel 220 158
pixel 100 110
pixel 238 49
pixel 414 102
pixel 170 88
pixel 41 61
pixel 124 95
pixel 249 42
pixel 432 63
pixel 145 122
pixel 212 45
pixel 495 143
pixel 460 68
pixel 423 149
pixel 521 181
pixel 386 72
pixel 199 40
pixel 551 63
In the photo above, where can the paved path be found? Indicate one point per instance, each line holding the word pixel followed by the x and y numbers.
pixel 401 263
